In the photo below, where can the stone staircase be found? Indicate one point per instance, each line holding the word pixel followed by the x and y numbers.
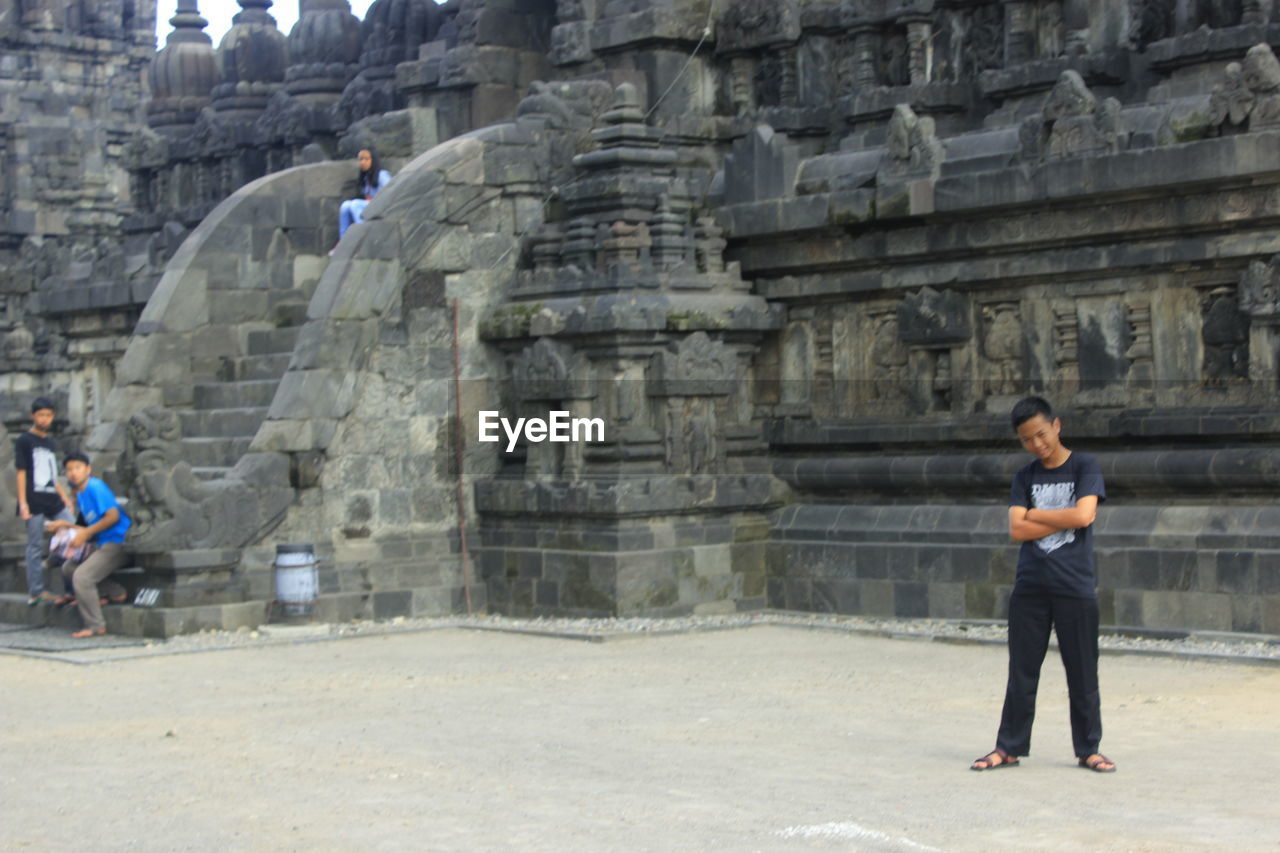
pixel 13 592
pixel 226 413
pixel 217 430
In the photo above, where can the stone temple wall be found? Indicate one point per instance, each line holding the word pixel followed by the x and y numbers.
pixel 71 80
pixel 800 258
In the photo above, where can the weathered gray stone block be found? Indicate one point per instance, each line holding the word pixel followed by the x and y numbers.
pixel 306 394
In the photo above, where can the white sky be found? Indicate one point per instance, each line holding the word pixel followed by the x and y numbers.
pixel 220 12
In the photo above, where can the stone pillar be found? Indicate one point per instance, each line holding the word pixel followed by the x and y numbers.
pixel 789 85
pixel 1019 36
pixel 741 83
pixel 920 51
pixel 1140 353
pixel 864 57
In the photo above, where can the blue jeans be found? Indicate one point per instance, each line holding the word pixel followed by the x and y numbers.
pixel 35 549
pixel 351 212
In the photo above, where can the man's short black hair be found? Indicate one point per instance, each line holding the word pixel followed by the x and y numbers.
pixel 41 403
pixel 1027 408
pixel 75 456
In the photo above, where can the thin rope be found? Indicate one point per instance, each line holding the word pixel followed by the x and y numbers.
pixel 706 34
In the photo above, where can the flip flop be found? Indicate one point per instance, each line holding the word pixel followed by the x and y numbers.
pixel 115 599
pixel 87 633
pixel 45 597
pixel 1095 765
pixel 64 600
pixel 1006 760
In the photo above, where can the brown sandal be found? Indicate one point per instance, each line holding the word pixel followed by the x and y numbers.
pixel 1094 762
pixel 87 633
pixel 1006 760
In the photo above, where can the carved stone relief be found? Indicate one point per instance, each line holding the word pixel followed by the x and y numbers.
pixel 1249 94
pixel 1260 290
pixel 914 149
pixel 1225 334
pixel 1002 347
pixel 888 359
pixel 1073 124
pixel 932 317
pixel 754 24
pixel 690 446
pixel 551 370
pixel 696 366
pixel 170 506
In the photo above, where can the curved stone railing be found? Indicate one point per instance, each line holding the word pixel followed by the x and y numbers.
pixel 248 266
pixel 365 409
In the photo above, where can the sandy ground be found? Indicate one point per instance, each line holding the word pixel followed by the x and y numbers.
pixel 761 739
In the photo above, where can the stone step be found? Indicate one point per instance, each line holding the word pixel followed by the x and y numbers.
pixel 203 452
pixel 127 620
pixel 252 367
pixel 273 341
pixel 13 566
pixel 13 573
pixel 235 395
pixel 228 423
pixel 14 609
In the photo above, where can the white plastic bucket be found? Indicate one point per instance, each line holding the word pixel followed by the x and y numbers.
pixel 297 580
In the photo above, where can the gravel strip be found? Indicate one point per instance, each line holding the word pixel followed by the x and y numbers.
pixel 1238 648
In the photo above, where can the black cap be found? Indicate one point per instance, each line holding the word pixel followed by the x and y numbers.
pixel 41 403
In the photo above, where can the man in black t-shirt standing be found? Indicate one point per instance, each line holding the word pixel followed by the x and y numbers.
pixel 41 497
pixel 1051 512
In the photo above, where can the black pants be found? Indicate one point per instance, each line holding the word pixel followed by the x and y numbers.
pixel 1075 621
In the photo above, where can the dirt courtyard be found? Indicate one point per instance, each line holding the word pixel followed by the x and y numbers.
pixel 761 739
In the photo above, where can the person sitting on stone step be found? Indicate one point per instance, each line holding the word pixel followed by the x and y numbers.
pixel 106 527
pixel 369 182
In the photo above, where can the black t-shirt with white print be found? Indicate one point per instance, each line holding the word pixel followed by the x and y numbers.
pixel 1061 563
pixel 38 456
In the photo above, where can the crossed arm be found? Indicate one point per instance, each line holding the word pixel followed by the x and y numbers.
pixel 1026 524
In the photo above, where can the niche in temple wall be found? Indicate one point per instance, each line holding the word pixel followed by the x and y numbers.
pixel 691 444
pixel 869 363
pixel 966 41
pixel 798 360
pixel 1225 335
pixel 892 68
pixel 1003 364
pixel 1103 339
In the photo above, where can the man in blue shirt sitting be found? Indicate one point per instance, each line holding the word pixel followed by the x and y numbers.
pixel 105 530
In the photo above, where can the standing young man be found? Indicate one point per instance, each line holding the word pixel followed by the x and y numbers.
pixel 107 526
pixel 1051 512
pixel 41 498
